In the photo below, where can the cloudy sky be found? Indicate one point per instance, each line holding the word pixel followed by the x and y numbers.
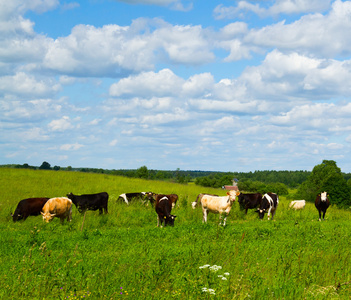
pixel 189 84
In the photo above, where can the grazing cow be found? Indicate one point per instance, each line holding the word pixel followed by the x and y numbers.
pixel 218 205
pixel 127 197
pixel 28 207
pixel 249 201
pixel 322 203
pixel 163 209
pixel 90 202
pixel 268 204
pixel 297 204
pixel 60 207
pixel 154 197
pixel 198 198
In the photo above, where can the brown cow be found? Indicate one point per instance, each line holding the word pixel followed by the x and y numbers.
pixel 153 197
pixel 28 207
pixel 60 207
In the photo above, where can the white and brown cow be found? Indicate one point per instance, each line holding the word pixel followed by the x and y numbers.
pixel 322 203
pixel 60 207
pixel 268 204
pixel 218 205
pixel 297 204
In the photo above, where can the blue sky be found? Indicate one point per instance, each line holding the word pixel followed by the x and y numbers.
pixel 195 85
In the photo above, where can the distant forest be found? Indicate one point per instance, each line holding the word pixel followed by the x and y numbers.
pixel 291 179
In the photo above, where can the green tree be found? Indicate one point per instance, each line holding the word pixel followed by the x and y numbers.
pixel 45 166
pixel 327 177
pixel 142 172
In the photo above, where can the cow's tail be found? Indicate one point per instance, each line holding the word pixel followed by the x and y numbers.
pixel 194 204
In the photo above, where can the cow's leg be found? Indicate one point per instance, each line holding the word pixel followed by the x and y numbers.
pixel 273 212
pixel 320 214
pixel 324 214
pixel 204 212
pixel 269 213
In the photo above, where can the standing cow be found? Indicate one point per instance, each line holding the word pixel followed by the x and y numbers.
pixel 163 209
pixel 153 198
pixel 90 202
pixel 198 198
pixel 322 203
pixel 60 207
pixel 127 197
pixel 297 204
pixel 249 201
pixel 28 207
pixel 268 204
pixel 218 205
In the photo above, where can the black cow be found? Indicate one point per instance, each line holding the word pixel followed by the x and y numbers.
pixel 28 207
pixel 249 201
pixel 322 203
pixel 127 197
pixel 90 202
pixel 268 204
pixel 163 209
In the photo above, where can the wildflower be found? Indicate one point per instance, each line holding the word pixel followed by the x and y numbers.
pixel 220 276
pixel 223 278
pixel 215 268
pixel 204 266
pixel 226 274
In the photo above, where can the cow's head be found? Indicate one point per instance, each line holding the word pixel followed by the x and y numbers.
pixel 261 212
pixel 169 220
pixel 232 195
pixel 324 196
pixel 47 217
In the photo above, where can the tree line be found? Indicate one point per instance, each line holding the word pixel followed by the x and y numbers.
pixel 326 176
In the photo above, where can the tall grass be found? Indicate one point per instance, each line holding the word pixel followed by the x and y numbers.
pixel 124 254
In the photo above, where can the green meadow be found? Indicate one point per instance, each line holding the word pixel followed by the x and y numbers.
pixel 124 255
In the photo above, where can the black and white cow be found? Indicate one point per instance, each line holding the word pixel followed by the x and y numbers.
pixel 249 201
pixel 90 202
pixel 127 197
pixel 163 209
pixel 322 203
pixel 269 204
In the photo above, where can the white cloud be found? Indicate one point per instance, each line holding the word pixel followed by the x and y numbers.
pixel 62 124
pixel 71 147
pixel 279 7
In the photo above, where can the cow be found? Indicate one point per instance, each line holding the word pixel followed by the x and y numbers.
pixel 249 201
pixel 90 202
pixel 163 209
pixel 153 198
pixel 198 198
pixel 322 203
pixel 127 197
pixel 268 204
pixel 297 204
pixel 59 207
pixel 218 205
pixel 28 207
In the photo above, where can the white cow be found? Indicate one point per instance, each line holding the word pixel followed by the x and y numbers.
pixel 297 204
pixel 218 205
pixel 60 207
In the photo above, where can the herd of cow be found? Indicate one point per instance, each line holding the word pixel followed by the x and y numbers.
pixel 61 207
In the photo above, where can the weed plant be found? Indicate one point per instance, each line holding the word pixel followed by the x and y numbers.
pixel 124 255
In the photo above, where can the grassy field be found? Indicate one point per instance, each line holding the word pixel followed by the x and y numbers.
pixel 124 255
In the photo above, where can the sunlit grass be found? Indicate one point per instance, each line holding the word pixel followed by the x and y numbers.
pixel 100 257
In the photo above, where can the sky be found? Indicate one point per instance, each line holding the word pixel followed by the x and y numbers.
pixel 232 86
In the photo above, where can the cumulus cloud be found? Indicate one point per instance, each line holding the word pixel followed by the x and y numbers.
pixel 62 124
pixel 71 147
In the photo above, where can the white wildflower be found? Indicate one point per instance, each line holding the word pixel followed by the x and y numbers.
pixel 215 268
pixel 204 266
pixel 226 274
pixel 223 278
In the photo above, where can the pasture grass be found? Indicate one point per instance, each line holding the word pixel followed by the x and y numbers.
pixel 124 255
